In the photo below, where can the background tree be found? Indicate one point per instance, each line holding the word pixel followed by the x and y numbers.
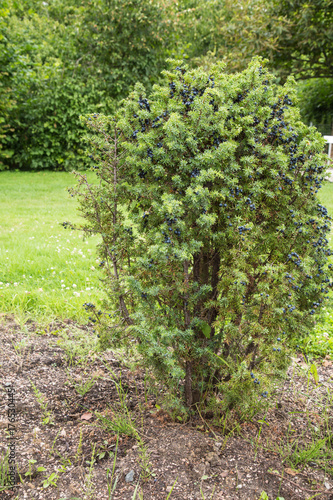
pixel 316 97
pixel 80 57
pixel 304 44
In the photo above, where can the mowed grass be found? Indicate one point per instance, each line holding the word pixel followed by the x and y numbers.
pixel 46 271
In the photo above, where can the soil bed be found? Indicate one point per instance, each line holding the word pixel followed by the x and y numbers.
pixel 193 456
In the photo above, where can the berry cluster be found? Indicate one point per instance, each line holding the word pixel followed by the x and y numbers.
pixel 142 174
pixel 166 238
pixel 144 104
pixel 248 201
pixel 242 229
pixel 195 172
pixel 295 258
pixel 172 86
pixel 217 139
pixel 145 219
pixel 256 380
pixel 129 230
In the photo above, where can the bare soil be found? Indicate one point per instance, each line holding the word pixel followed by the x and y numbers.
pixel 191 456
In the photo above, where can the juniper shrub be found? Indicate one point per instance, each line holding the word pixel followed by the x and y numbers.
pixel 213 241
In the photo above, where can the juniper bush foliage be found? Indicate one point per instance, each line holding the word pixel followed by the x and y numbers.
pixel 213 241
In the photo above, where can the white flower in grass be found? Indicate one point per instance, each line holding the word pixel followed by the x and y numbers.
pixel 1 283
pixel 92 268
pixel 74 286
pixel 15 284
pixel 87 288
pixel 63 286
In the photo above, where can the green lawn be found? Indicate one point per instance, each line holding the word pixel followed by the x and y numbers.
pixel 46 271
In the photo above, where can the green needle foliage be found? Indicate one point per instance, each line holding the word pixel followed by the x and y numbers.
pixel 213 241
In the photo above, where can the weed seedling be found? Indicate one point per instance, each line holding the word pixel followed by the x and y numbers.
pixel 83 387
pixel 88 482
pixel 48 417
pixel 4 472
pixel 30 471
pixel 51 480
pixel 257 442
pixel 54 442
pixel 21 346
pixel 203 496
pixel 144 458
pixel 112 483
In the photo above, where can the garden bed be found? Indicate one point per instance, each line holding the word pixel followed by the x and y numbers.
pixel 288 454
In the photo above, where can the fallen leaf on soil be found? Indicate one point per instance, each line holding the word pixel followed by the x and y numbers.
pixel 327 363
pixel 291 472
pixel 86 416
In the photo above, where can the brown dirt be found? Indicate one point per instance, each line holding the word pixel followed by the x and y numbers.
pixel 196 455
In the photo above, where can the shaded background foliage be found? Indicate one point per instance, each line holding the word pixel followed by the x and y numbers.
pixel 64 58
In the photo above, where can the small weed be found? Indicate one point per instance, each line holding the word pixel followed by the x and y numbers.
pixel 50 480
pixel 30 472
pixel 257 442
pixel 264 496
pixel 79 348
pixel 20 347
pixel 103 451
pixel 121 423
pixel 112 482
pixel 88 482
pixel 54 442
pixel 48 417
pixel 144 460
pixel 65 464
pixel 83 387
pixel 4 472
pixel 316 451
pixel 203 496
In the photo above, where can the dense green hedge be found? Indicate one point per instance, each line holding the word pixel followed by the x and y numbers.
pixel 61 61
pixel 66 58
